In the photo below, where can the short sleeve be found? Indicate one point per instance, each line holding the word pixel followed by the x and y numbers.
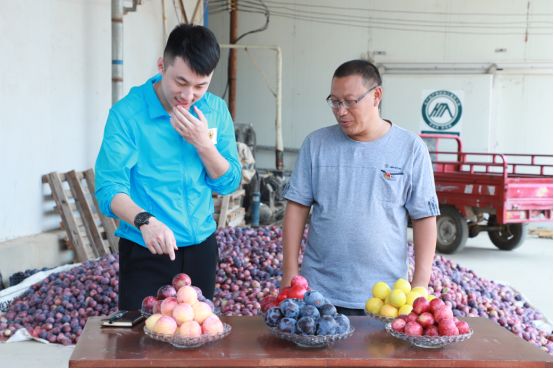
pixel 299 189
pixel 422 198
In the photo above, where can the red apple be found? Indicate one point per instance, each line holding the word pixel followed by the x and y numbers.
pixel 299 280
pixel 398 324
pixel 413 329
pixel 435 304
pixel 166 291
pixel 180 280
pixel 284 294
pixel 420 305
pixel 267 303
pixel 148 304
pixel 444 313
pixel 463 327
pixel 426 319
pixel 431 331
pixel 447 327
pixel 296 292
pixel 412 317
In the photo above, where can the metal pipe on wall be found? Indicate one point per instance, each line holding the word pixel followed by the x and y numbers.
pixel 465 68
pixel 232 66
pixel 117 50
pixel 279 160
pixel 164 21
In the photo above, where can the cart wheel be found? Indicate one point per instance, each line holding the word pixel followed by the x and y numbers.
pixel 452 231
pixel 510 237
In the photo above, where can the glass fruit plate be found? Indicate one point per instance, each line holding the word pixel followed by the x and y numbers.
pixel 311 341
pixel 158 336
pixel 379 317
pixel 145 314
pixel 428 341
pixel 188 342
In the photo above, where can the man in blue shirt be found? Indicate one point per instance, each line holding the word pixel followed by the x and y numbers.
pixel 167 145
pixel 362 178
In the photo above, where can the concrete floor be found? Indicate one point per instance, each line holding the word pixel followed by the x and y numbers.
pixel 528 269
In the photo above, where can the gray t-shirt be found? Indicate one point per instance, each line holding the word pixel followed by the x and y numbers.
pixel 362 194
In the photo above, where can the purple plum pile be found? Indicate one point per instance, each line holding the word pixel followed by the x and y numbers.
pixel 249 268
pixel 56 309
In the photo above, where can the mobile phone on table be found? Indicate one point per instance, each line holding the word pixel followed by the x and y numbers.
pixel 123 318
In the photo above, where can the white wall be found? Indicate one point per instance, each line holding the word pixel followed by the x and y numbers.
pixel 403 98
pixel 55 79
pixel 312 50
pixel 55 88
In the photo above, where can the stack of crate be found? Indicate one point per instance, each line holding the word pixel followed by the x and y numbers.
pixel 89 232
pixel 228 210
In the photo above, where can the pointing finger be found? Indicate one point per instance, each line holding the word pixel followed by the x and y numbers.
pixel 171 253
pixel 174 242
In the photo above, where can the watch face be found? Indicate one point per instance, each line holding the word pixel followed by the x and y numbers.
pixel 142 219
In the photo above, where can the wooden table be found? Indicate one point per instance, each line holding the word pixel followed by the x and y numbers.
pixel 250 344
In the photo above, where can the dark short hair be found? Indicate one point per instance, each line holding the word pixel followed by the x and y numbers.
pixel 197 46
pixel 368 71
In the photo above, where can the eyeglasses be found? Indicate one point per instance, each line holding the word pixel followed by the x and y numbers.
pixel 336 104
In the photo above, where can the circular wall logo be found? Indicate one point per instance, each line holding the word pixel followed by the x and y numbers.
pixel 441 110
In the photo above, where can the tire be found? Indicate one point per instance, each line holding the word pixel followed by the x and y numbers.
pixel 452 231
pixel 510 237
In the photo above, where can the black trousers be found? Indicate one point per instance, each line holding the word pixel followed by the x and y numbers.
pixel 141 273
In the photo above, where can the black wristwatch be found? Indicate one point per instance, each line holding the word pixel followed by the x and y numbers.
pixel 142 219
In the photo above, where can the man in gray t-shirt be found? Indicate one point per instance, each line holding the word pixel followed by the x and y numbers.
pixel 363 178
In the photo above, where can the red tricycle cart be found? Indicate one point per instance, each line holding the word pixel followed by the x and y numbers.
pixel 497 193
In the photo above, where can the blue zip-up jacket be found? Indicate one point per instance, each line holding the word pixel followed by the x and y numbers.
pixel 144 157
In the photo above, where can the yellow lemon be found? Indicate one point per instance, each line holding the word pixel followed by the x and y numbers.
pixel 397 298
pixel 403 285
pixel 431 297
pixel 405 309
pixel 412 295
pixel 381 290
pixel 421 290
pixel 388 311
pixel 373 305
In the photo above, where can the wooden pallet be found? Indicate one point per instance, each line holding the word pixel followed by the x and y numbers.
pixel 541 233
pixel 89 231
pixel 228 210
